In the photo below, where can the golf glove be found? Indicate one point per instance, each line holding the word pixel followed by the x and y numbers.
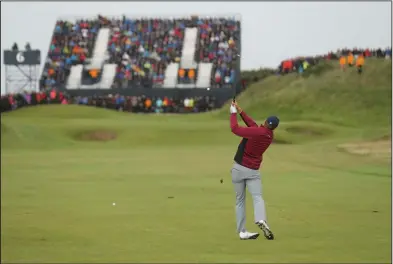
pixel 232 109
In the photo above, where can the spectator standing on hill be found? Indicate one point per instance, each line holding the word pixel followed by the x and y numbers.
pixel 388 53
pixel 350 59
pixel 343 62
pixel 305 65
pixel 360 63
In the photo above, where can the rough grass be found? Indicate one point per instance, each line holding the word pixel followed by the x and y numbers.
pixel 331 96
pixel 164 174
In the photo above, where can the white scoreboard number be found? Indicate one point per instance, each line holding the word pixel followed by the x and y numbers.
pixel 19 57
pixel 97 61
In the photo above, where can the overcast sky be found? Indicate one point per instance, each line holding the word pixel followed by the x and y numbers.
pixel 271 31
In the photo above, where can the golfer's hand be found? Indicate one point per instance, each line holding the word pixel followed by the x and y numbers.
pixel 239 110
pixel 232 109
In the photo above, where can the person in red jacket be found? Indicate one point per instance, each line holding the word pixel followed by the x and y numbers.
pixel 245 171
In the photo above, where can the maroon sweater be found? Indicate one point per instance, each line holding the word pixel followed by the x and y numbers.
pixel 256 140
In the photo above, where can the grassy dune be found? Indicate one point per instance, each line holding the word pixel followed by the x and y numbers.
pixel 326 95
pixel 326 180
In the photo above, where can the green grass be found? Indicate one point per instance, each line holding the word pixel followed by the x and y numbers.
pixel 329 95
pixel 324 205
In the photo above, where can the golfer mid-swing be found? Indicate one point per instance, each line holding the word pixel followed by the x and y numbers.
pixel 245 171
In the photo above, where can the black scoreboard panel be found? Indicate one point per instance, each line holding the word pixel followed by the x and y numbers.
pixel 32 57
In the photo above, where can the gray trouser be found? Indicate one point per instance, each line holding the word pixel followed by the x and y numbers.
pixel 242 177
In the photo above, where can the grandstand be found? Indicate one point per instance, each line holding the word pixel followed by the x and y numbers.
pixel 175 57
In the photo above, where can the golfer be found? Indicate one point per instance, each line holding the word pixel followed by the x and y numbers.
pixel 245 171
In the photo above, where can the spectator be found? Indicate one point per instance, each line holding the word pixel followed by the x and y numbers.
pixel 218 76
pixel 388 53
pixel 360 63
pixel 148 105
pixel 134 104
pixel 15 47
pixel 119 101
pixel 182 74
pixel 300 68
pixel 345 56
pixel 142 48
pixel 367 53
pixel 192 105
pixel 350 59
pixel 94 74
pixel 343 62
pixel 305 65
pixel 166 104
pixel 191 75
pixel 159 105
pixel 53 94
pixel 186 103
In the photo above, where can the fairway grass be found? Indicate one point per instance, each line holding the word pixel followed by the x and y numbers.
pixel 163 173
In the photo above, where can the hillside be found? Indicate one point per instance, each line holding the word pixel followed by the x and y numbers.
pixel 325 94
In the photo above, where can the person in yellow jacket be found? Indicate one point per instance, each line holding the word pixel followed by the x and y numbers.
pixel 343 61
pixel 360 63
pixel 305 65
pixel 350 59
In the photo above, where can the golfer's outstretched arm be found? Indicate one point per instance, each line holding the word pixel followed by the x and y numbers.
pixel 247 120
pixel 245 132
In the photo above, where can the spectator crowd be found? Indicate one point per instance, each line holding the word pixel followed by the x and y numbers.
pixel 144 104
pixel 135 104
pixel 142 49
pixel 346 57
